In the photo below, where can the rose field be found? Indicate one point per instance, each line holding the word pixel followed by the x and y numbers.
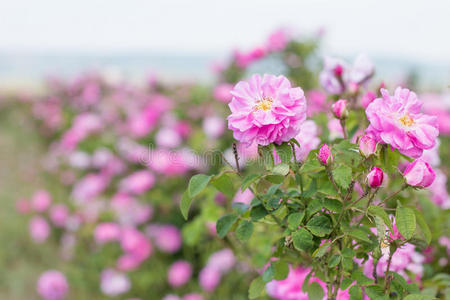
pixel 290 174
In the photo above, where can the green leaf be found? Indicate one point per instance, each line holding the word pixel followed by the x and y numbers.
pixel 355 293
pixel 360 235
pixel 315 291
pixel 314 206
pixel 223 184
pixel 280 269
pixel 185 204
pixel 380 212
pixel 311 166
pixel 256 288
pixel 224 224
pixel 248 180
pixel 282 169
pixel 319 226
pixel 197 184
pixel 375 292
pixel 346 283
pixel 423 225
pixel 276 179
pixel 342 176
pixel 332 205
pixel 406 221
pixel 334 261
pixel 284 151
pixel 417 297
pixel 258 212
pixel 239 207
pixel 322 250
pixel 360 278
pixel 244 230
pixel 302 239
pixel 267 155
pixel 295 219
pixel 268 274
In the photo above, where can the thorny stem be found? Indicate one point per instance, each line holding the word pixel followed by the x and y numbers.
pixel 236 157
pixel 344 129
pixel 386 274
pixel 394 194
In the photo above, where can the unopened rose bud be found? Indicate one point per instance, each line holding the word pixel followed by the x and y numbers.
pixel 375 177
pixel 325 156
pixel 419 174
pixel 338 70
pixel 367 145
pixel 340 109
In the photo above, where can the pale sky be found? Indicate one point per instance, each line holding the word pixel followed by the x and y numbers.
pixel 409 29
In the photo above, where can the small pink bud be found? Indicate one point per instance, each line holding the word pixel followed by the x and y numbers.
pixel 340 109
pixel 375 177
pixel 325 156
pixel 419 174
pixel 338 70
pixel 367 145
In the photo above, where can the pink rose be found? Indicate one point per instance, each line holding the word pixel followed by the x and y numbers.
pixel 41 201
pixel 340 109
pixel 419 174
pixel 367 145
pixel 179 273
pixel 375 177
pixel 52 285
pixel 325 156
pixel 266 110
pixel 39 229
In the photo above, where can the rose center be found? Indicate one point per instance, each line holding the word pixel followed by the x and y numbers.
pixel 406 120
pixel 264 104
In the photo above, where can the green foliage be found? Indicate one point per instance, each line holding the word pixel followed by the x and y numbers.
pixel 244 230
pixel 342 176
pixel 406 221
pixel 225 223
pixel 319 226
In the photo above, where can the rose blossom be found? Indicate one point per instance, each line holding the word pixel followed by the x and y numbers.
pixel 106 232
pixel 222 92
pixel 340 109
pixel 52 285
pixel 325 156
pixel 179 273
pixel 39 229
pixel 59 214
pixel 41 201
pixel 193 296
pixel 375 177
pixel 396 120
pixel 113 283
pixel 419 174
pixel 367 145
pixel 209 278
pixel 213 126
pixel 138 182
pixel 266 110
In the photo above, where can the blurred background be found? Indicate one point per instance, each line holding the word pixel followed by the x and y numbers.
pixel 47 46
pixel 180 39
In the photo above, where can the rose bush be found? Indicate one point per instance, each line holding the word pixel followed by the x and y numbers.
pixel 333 192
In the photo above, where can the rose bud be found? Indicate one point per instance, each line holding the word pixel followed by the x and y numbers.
pixel 375 177
pixel 325 156
pixel 367 145
pixel 419 174
pixel 338 70
pixel 340 109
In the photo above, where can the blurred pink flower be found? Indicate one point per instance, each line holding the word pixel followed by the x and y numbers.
pixel 39 229
pixel 89 187
pixel 52 285
pixel 307 138
pixel 107 232
pixel 41 201
pixel 213 126
pixel 243 196
pixel 59 214
pixel 266 110
pixel 277 40
pixel 138 182
pixel 167 238
pixel 114 283
pixel 179 273
pixel 222 92
pixel 209 278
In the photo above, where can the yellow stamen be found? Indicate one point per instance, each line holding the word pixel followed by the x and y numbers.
pixel 264 104
pixel 406 120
